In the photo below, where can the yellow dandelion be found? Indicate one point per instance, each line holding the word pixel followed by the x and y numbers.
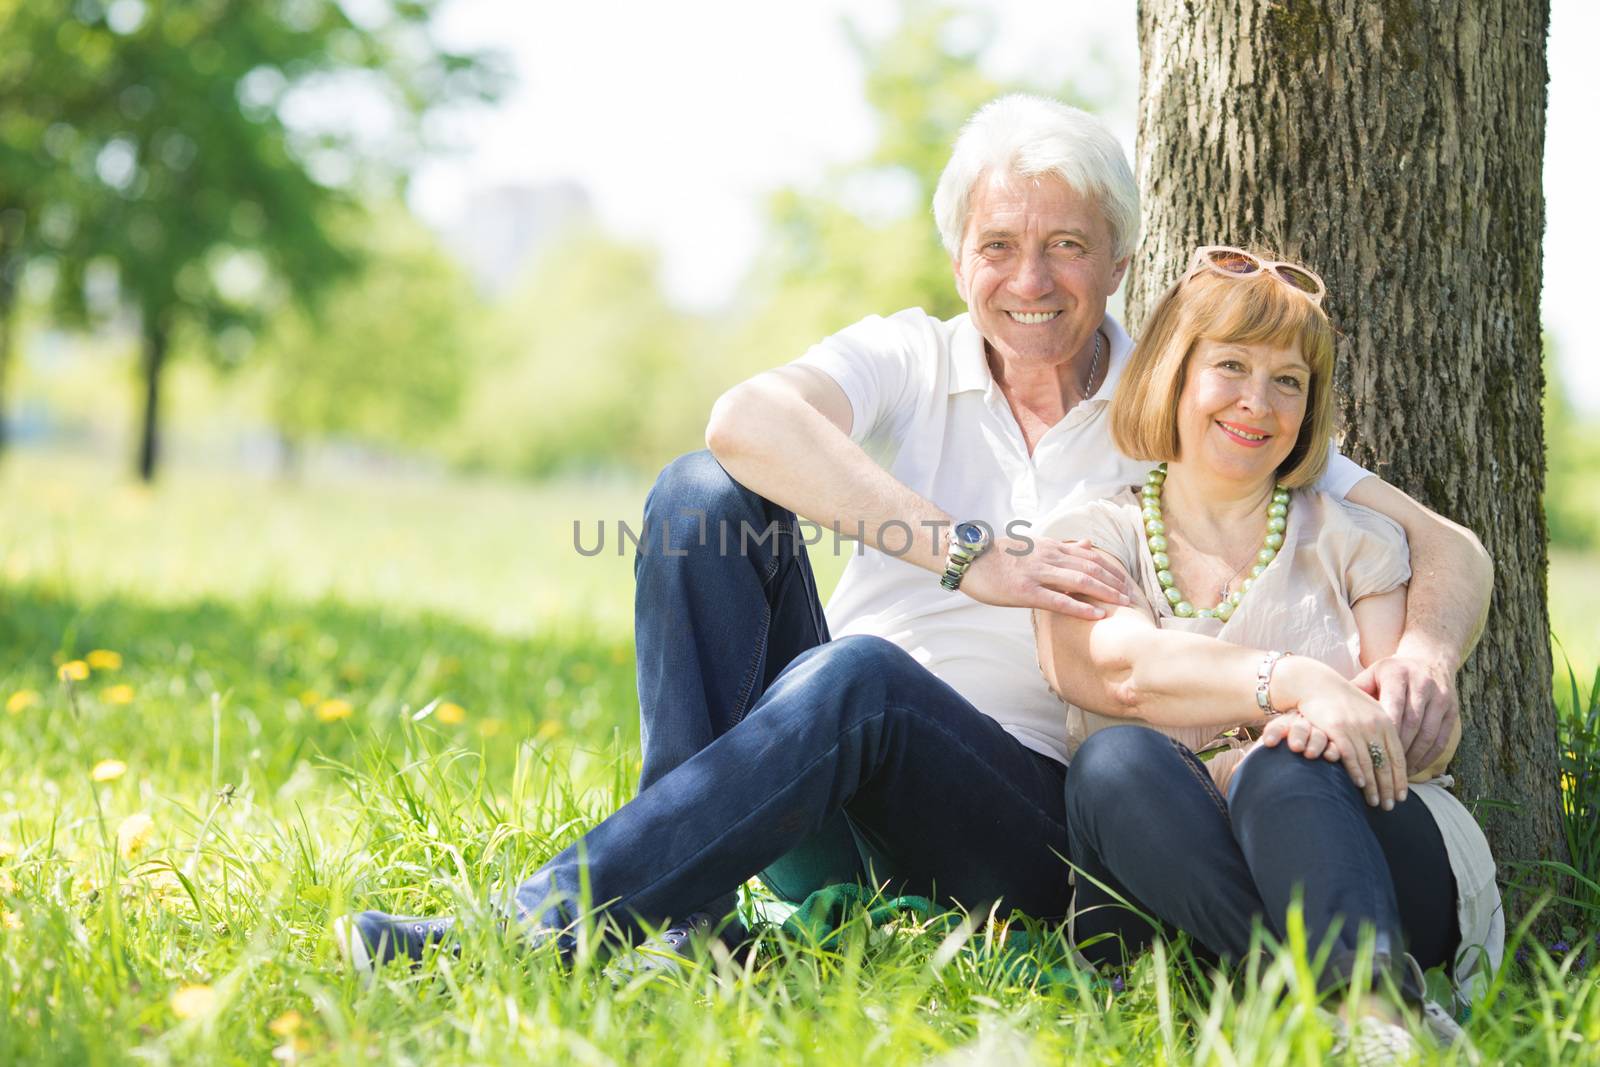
pixel 7 850
pixel 193 1000
pixel 490 727
pixel 108 770
pixel 450 714
pixel 547 729
pixel 117 694
pixel 74 670
pixel 310 698
pixel 583 673
pixel 353 672
pixel 21 701
pixel 285 1024
pixel 334 710
pixel 103 659
pixel 619 655
pixel 10 920
pixel 8 885
pixel 134 834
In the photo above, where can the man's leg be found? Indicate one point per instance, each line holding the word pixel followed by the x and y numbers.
pixel 960 809
pixel 724 600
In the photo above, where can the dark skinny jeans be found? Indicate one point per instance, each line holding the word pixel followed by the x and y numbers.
pixel 770 749
pixel 1145 819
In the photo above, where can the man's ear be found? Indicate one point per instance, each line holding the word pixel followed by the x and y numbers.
pixel 961 285
pixel 1118 272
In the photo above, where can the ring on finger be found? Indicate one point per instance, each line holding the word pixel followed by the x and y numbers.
pixel 1379 757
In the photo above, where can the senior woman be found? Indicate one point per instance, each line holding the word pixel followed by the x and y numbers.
pixel 1261 600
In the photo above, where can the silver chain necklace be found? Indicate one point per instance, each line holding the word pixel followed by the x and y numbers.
pixel 1094 368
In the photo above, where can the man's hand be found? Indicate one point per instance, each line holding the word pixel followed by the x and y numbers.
pixel 1046 573
pixel 1420 698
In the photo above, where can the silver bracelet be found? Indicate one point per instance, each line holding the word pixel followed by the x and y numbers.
pixel 1264 683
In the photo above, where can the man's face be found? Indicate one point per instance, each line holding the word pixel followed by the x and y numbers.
pixel 1035 268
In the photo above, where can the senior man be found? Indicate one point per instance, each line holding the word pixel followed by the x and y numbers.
pixel 907 737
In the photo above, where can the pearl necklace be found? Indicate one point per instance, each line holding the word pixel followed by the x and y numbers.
pixel 1156 537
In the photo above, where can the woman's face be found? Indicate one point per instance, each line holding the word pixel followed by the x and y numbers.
pixel 1241 408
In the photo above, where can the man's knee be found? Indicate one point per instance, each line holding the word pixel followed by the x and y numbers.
pixel 1110 762
pixel 695 504
pixel 695 483
pixel 848 679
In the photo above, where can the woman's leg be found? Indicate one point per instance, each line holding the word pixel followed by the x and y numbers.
pixel 1306 830
pixel 1145 819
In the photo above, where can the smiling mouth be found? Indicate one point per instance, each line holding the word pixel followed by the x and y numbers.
pixel 1032 318
pixel 1239 432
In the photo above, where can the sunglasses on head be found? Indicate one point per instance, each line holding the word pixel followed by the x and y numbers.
pixel 1233 262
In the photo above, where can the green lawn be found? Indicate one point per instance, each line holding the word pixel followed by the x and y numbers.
pixel 402 694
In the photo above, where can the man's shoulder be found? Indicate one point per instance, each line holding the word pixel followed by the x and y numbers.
pixel 911 328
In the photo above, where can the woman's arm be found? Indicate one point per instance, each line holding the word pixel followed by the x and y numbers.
pixel 1380 621
pixel 1124 666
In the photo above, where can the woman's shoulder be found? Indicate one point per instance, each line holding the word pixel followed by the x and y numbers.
pixel 1337 517
pixel 1094 518
pixel 1363 552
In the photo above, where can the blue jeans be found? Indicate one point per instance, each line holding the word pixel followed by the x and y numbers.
pixel 769 748
pixel 1146 820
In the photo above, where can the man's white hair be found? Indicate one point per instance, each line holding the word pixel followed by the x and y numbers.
pixel 1029 137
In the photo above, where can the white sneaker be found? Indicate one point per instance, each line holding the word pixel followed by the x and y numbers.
pixel 1441 1025
pixel 1373 1042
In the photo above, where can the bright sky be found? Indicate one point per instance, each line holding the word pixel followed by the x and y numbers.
pixel 680 125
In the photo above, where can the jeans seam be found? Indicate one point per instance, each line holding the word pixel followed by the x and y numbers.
pixel 741 706
pixel 858 727
pixel 1204 778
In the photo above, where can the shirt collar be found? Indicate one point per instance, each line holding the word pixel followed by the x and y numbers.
pixel 969 367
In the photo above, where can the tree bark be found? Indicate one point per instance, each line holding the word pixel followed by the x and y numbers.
pixel 1395 146
pixel 156 338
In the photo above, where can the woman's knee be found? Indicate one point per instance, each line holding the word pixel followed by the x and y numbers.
pixel 1112 760
pixel 1269 775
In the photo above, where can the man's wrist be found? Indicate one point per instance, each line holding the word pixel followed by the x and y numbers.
pixel 965 543
pixel 1437 656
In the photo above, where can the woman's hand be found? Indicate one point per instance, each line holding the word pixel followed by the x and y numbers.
pixel 1296 730
pixel 1352 720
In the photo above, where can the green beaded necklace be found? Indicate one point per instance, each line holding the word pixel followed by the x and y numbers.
pixel 1156 536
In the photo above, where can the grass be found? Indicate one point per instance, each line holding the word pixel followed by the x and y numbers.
pixel 399 694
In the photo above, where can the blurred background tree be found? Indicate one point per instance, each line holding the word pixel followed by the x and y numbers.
pixel 385 356
pixel 588 366
pixel 191 153
pixel 1572 480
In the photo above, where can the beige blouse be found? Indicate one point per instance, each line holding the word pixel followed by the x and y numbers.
pixel 1334 553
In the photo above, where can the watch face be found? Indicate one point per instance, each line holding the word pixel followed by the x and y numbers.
pixel 969 533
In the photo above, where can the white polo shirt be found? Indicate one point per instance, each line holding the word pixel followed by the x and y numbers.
pixel 925 406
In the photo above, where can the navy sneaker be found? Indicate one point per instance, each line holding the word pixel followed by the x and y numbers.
pixel 667 951
pixel 374 937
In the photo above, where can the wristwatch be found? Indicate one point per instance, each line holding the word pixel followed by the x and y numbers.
pixel 968 541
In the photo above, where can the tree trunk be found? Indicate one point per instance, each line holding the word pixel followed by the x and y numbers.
pixel 155 358
pixel 1395 146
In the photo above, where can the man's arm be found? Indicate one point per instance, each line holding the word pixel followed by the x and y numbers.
pixel 1446 606
pixel 785 434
